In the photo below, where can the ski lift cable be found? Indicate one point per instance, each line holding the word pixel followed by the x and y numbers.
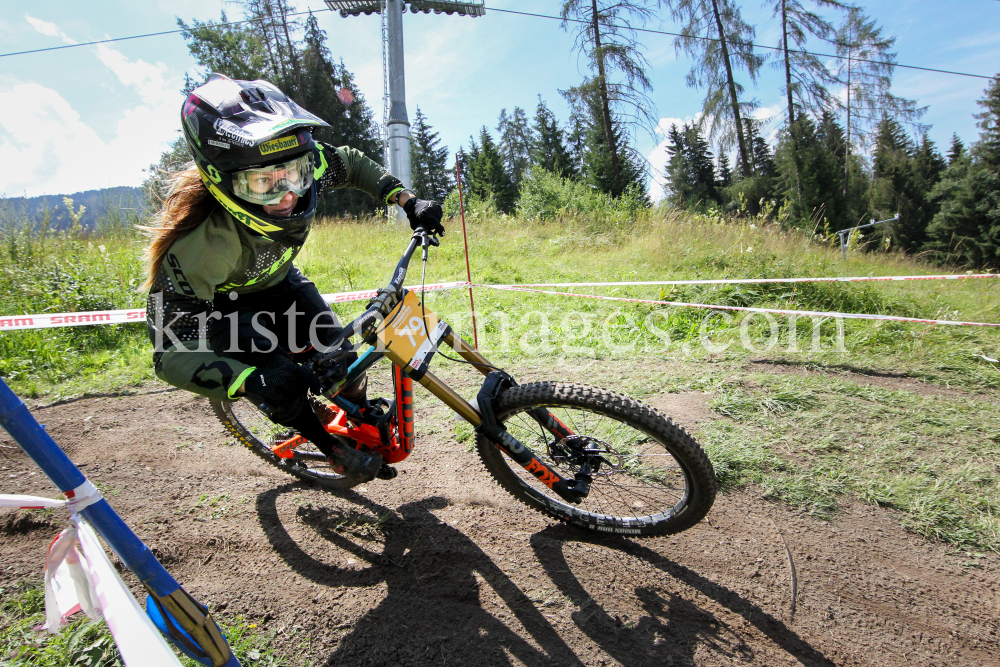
pixel 759 46
pixel 519 13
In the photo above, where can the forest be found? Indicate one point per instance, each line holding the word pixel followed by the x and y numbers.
pixel 848 150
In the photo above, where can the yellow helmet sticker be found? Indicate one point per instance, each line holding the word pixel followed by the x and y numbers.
pixel 277 145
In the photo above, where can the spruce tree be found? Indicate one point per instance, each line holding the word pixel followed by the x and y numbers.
pixel 690 171
pixel 548 149
pixel 515 143
pixel 966 229
pixel 598 167
pixel 903 175
pixel 957 149
pixel 429 166
pixel 724 171
pixel 488 177
pixel 304 69
pixel 680 180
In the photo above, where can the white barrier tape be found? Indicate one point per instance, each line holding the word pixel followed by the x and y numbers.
pixel 754 281
pixel 45 321
pixel 774 311
pixel 79 577
pixel 91 317
pixel 138 640
pixel 49 320
pixel 82 496
pixel 363 295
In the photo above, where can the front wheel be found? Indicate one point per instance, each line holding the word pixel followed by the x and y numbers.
pixel 653 479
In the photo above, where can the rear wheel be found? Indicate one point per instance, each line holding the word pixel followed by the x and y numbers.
pixel 653 479
pixel 252 428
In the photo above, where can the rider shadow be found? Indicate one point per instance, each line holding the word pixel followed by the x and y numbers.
pixel 432 612
pixel 674 627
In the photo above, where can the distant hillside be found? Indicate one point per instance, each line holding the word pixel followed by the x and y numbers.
pixel 107 205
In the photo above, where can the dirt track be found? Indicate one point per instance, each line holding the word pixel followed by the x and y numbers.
pixel 457 573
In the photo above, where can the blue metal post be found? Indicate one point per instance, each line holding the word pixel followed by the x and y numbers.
pixel 43 450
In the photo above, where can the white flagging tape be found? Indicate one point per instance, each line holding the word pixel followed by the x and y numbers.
pixel 79 577
pixel 361 295
pixel 773 311
pixel 45 321
pixel 755 281
pixel 51 320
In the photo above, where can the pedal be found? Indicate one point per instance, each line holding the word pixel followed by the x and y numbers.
pixel 386 472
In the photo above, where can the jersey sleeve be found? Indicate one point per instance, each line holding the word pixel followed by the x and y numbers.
pixel 180 306
pixel 350 168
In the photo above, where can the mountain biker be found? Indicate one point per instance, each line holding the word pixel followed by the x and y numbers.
pixel 227 308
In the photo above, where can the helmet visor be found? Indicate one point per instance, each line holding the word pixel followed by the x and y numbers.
pixel 268 185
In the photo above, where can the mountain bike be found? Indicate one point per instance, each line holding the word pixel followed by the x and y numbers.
pixel 589 457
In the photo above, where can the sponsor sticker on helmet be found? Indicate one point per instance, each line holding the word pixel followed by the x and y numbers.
pixel 280 144
pixel 287 123
pixel 217 144
pixel 232 132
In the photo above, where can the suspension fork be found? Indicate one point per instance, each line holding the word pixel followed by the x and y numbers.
pixel 485 422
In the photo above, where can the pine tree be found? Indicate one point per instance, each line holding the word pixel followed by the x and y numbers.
pixel 488 177
pixel 967 227
pixel 598 165
pixel 548 149
pixel 729 47
pixel 605 35
pixel 515 143
pixel 957 149
pixel 866 71
pixel 903 175
pixel 428 161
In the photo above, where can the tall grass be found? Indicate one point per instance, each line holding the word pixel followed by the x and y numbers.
pixel 87 270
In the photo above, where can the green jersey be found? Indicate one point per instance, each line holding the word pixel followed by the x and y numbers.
pixel 221 256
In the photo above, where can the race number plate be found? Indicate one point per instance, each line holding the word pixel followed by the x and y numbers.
pixel 403 335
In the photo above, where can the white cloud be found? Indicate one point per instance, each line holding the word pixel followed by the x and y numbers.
pixel 48 29
pixel 46 148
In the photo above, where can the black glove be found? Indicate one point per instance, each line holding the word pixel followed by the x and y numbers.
pixel 424 213
pixel 281 385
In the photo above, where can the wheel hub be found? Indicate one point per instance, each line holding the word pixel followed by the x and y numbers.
pixel 578 451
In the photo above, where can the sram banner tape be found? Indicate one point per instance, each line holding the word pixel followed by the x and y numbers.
pixel 51 320
pixel 44 321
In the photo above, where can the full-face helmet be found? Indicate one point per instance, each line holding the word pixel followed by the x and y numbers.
pixel 252 145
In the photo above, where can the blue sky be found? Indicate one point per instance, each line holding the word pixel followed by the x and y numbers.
pixel 96 116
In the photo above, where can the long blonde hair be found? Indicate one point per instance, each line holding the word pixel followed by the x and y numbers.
pixel 187 204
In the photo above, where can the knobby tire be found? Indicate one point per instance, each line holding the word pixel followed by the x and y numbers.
pixel 658 480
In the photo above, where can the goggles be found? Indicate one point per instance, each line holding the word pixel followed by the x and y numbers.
pixel 268 185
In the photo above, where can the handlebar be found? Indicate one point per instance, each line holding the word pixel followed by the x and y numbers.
pixel 384 300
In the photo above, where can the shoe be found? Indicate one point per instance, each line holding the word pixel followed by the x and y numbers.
pixel 354 463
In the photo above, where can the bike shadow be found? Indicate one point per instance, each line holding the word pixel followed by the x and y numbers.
pixel 432 612
pixel 675 626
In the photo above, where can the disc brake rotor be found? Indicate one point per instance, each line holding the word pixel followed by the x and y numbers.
pixel 576 450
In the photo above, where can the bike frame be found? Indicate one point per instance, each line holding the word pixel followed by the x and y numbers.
pixel 411 349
